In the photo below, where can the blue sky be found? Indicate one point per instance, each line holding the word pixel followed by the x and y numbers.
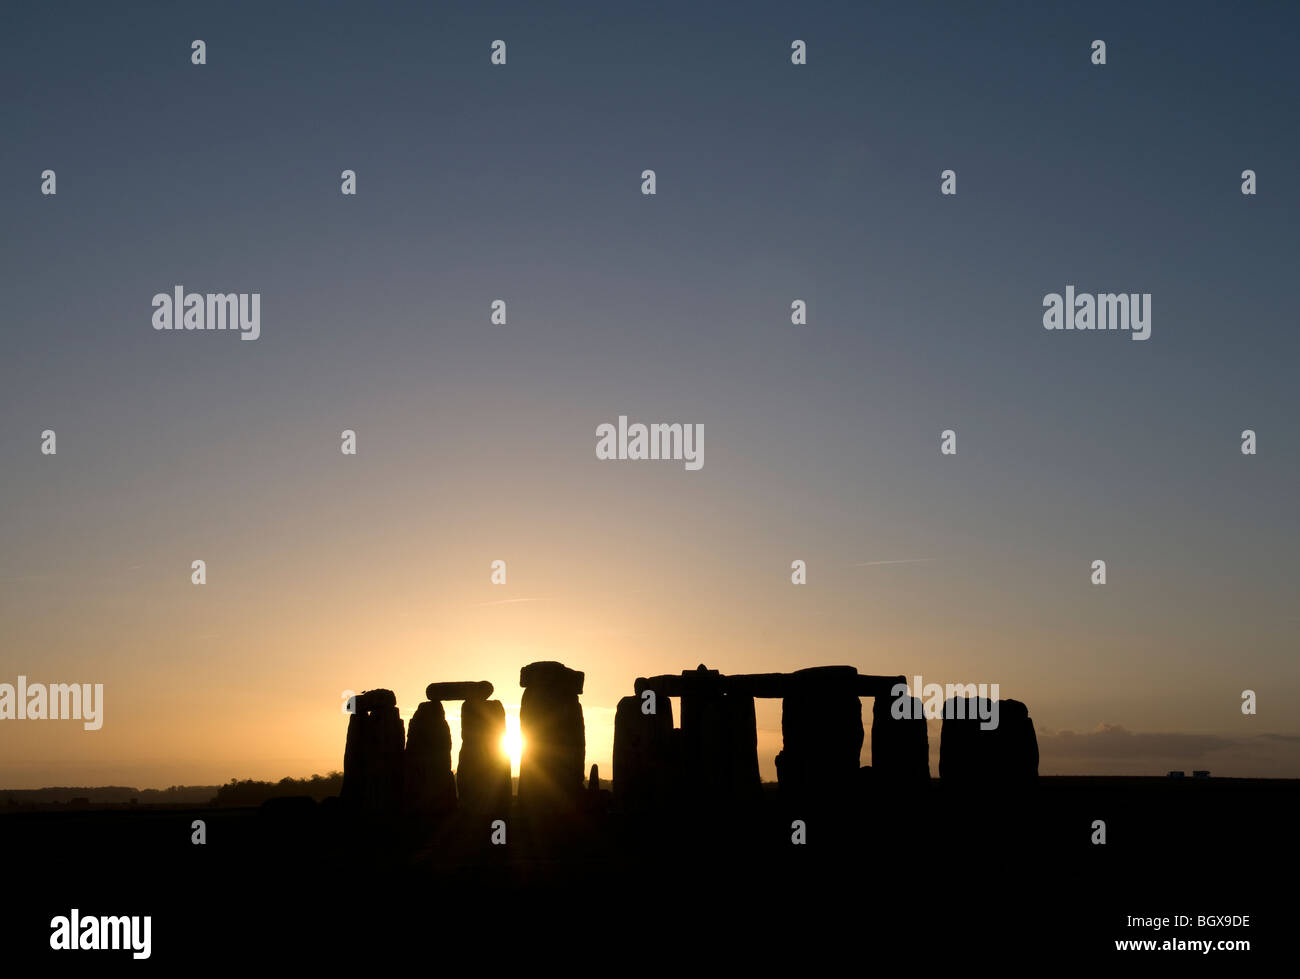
pixel 522 182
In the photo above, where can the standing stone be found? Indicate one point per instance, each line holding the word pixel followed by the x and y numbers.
pixel 706 738
pixel 385 796
pixel 745 785
pixel 719 740
pixel 373 755
pixel 429 788
pixel 355 767
pixel 962 751
pixel 644 763
pixel 550 719
pixel 1006 753
pixel 822 735
pixel 483 773
pixel 900 746
pixel 1017 742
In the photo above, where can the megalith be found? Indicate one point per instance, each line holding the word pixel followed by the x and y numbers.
pixel 822 735
pixel 483 772
pixel 428 786
pixel 900 743
pixel 373 754
pixel 644 764
pixel 974 749
pixel 550 720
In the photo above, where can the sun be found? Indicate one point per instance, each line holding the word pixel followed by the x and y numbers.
pixel 513 741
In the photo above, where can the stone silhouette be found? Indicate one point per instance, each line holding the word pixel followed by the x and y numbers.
pixel 373 755
pixel 745 785
pixel 386 768
pixel 459 690
pixel 550 718
pixel 970 752
pixel 822 735
pixel 719 740
pixel 1019 755
pixel 706 736
pixel 713 756
pixel 483 772
pixel 645 761
pixel 900 745
pixel 712 759
pixel 429 788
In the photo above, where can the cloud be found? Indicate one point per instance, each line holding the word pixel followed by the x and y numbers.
pixel 1117 741
pixel 1113 749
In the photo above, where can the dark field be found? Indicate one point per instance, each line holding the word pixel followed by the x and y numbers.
pixel 939 872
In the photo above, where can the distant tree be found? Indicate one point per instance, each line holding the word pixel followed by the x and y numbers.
pixel 250 792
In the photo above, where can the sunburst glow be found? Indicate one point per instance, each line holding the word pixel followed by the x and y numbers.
pixel 513 741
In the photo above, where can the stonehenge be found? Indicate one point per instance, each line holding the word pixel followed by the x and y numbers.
pixel 710 760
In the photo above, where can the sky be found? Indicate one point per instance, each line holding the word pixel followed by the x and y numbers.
pixel 475 441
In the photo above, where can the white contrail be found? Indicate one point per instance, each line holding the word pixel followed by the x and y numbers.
pixel 906 560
